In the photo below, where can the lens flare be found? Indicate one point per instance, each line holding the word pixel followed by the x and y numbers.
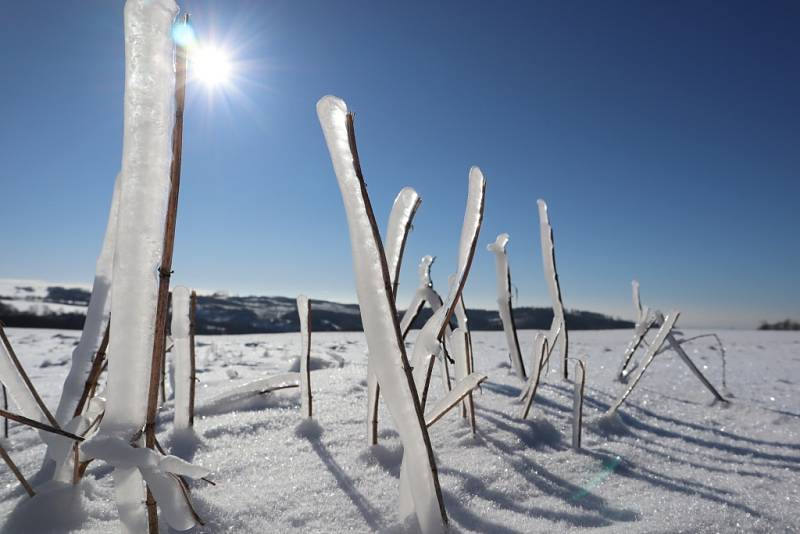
pixel 210 65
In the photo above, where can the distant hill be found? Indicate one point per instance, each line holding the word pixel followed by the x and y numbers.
pixel 39 305
pixel 787 324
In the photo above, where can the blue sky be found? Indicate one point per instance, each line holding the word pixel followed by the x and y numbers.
pixel 664 136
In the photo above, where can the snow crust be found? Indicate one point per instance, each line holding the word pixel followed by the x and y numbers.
pixel 666 462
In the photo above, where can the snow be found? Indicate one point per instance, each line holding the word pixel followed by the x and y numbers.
pixel 669 462
pixel 181 356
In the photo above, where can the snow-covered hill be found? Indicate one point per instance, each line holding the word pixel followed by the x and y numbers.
pixel 675 462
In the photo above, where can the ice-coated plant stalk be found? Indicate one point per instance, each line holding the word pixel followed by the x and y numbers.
pixel 558 330
pixel 504 302
pixel 304 313
pixel 577 404
pixel 403 210
pixel 428 343
pixel 379 317
pixel 17 473
pixel 540 352
pixel 181 355
pixel 94 374
pixel 666 327
pixel 192 355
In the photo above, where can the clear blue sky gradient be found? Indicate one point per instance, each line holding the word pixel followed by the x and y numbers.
pixel 665 137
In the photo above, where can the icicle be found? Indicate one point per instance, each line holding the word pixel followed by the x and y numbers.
pixel 558 330
pixel 378 315
pixel 180 355
pixel 504 302
pixel 540 351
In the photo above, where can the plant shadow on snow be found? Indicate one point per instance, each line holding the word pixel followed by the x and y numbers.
pixel 64 505
pixel 313 432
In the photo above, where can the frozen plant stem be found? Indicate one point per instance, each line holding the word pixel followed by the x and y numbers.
pixel 165 270
pixel 192 356
pixel 94 373
pixel 577 404
pixel 304 313
pixel 17 473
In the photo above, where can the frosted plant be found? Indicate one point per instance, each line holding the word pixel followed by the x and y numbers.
pixel 419 482
pixel 504 302
pixel 666 326
pixel 149 110
pixel 558 329
pixel 181 355
pixel 577 404
pixel 425 293
pixel 646 320
pixel 540 352
pixel 304 313
pixel 428 343
pixel 459 344
pixel 403 210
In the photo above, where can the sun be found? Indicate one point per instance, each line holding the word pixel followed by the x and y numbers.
pixel 211 65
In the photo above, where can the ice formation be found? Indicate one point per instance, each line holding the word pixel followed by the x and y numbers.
pixel 540 351
pixel 558 330
pixel 666 327
pixel 403 210
pixel 428 343
pixel 425 293
pixel 504 302
pixel 577 404
pixel 181 355
pixel 420 491
pixel 304 313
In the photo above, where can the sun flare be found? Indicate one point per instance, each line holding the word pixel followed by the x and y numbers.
pixel 210 65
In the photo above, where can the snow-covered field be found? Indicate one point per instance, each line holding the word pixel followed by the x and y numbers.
pixel 677 463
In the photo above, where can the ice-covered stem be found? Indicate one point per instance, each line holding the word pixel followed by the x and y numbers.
pixel 304 313
pixel 181 355
pixel 97 318
pixel 17 473
pixel 558 330
pixel 504 302
pixel 33 423
pixel 577 404
pixel 94 374
pixel 165 269
pixel 5 407
pixel 192 355
pixel 379 317
pixel 540 352
pixel 666 327
pixel 20 387
pixel 643 325
pixel 403 210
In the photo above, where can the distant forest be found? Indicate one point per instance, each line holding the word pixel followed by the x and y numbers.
pixel 787 324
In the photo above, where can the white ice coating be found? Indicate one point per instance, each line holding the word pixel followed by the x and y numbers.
pixel 403 210
pixel 378 314
pixel 144 189
pixel 666 327
pixel 637 300
pixel 19 392
pixel 577 404
pixel 558 330
pixel 255 387
pixel 96 319
pixel 181 354
pixel 453 397
pixel 540 350
pixel 504 302
pixel 425 293
pixel 428 340
pixel 460 351
pixel 304 313
pixel 143 192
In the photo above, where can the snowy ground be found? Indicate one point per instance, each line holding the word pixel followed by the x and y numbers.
pixel 678 463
